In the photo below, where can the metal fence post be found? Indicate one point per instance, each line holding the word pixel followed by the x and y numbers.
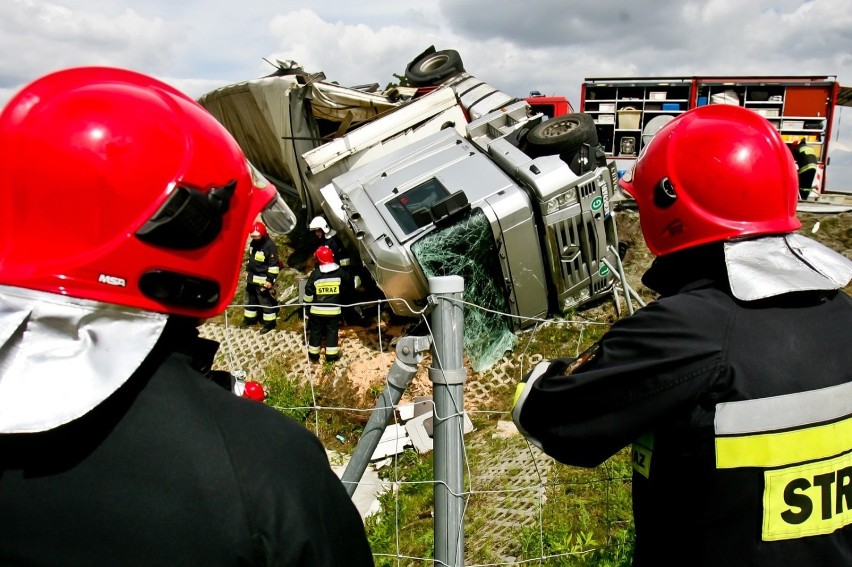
pixel 408 355
pixel 448 375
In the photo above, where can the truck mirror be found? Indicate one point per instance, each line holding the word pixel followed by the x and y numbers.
pixel 421 217
pixel 450 207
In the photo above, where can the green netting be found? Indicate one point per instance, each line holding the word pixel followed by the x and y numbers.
pixel 467 249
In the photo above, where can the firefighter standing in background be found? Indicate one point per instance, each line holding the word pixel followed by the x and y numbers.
pixel 807 164
pixel 261 270
pixel 323 291
pixel 116 448
pixel 735 387
pixel 327 236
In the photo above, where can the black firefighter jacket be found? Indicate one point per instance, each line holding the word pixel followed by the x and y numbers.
pixel 173 469
pixel 262 263
pixel 326 292
pixel 740 416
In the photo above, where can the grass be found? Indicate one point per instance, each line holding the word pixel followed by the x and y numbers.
pixel 303 400
pixel 586 518
pixel 406 516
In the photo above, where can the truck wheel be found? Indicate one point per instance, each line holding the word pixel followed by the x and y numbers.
pixel 563 134
pixel 432 67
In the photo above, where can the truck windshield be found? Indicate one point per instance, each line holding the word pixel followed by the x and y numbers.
pixel 411 209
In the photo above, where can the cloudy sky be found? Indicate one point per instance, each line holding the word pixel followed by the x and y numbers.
pixel 518 46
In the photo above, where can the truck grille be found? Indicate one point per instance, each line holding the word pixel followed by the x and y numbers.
pixel 580 238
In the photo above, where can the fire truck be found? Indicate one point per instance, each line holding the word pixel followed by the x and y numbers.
pixel 628 112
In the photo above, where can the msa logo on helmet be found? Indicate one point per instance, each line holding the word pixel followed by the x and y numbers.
pixel 112 280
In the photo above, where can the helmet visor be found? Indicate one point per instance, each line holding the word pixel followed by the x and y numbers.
pixel 278 217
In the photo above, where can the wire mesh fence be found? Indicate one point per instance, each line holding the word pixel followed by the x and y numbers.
pixel 520 507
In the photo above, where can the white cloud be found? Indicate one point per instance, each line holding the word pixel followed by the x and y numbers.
pixel 38 37
pixel 347 53
pixel 550 45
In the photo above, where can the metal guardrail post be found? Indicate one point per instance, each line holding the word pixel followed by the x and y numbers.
pixel 409 352
pixel 448 375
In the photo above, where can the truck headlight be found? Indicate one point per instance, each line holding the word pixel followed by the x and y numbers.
pixel 560 202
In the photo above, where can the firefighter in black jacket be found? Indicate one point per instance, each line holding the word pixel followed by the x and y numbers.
pixel 261 270
pixel 735 387
pixel 327 236
pixel 808 165
pixel 116 448
pixel 325 287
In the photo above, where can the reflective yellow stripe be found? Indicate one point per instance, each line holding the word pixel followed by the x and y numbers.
pixel 274 270
pixel 260 256
pixel 805 440
pixel 807 500
pixel 519 389
pixel 260 280
pixel 777 449
pixel 325 310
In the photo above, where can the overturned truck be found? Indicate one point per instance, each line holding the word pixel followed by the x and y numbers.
pixel 448 175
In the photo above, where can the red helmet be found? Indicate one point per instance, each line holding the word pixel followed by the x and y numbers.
pixel 324 255
pixel 254 391
pixel 713 173
pixel 260 229
pixel 146 195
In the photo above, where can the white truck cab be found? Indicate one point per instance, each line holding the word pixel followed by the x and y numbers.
pixel 552 229
pixel 411 180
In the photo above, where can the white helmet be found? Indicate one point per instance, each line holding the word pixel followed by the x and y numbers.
pixel 319 223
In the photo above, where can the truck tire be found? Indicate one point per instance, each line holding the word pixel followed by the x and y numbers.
pixel 432 67
pixel 563 134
